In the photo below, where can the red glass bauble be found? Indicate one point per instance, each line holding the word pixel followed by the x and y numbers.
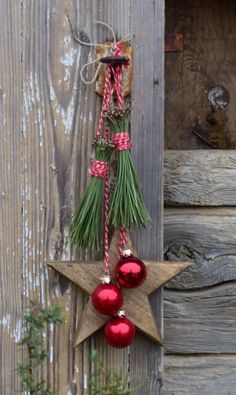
pixel 130 272
pixel 119 332
pixel 107 299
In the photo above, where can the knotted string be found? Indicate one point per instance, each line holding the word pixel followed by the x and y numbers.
pixel 110 46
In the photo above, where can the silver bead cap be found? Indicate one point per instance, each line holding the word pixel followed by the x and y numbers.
pixel 126 252
pixel 105 279
pixel 121 313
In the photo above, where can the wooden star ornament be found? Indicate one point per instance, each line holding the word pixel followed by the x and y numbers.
pixel 136 303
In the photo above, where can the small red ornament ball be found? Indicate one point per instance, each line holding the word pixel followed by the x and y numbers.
pixel 130 272
pixel 107 299
pixel 119 332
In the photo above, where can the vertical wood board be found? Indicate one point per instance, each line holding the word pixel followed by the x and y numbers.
pixel 147 124
pixel 10 194
pixel 46 153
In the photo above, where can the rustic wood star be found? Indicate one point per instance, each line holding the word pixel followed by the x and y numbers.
pixel 136 303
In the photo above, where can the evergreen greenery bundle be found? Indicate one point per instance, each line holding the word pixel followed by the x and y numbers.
pixel 86 224
pixel 34 322
pixel 127 207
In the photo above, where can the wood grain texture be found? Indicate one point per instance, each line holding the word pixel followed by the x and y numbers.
pixel 10 194
pixel 147 128
pixel 200 178
pixel 207 237
pixel 200 321
pixel 58 125
pixel 50 136
pixel 48 120
pixel 203 375
pixel 207 61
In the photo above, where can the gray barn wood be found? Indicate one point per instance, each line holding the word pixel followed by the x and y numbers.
pixel 200 375
pixel 200 178
pixel 11 287
pixel 201 321
pixel 205 236
pixel 48 120
pixel 200 305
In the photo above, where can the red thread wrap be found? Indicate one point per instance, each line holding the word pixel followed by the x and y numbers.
pixel 99 169
pixel 122 141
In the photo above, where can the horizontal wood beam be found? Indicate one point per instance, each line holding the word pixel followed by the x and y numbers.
pixel 200 304
pixel 200 375
pixel 205 236
pixel 200 178
pixel 201 321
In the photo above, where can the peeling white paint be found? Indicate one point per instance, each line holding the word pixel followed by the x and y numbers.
pixel 67 250
pixel 67 116
pixel 85 381
pixel 6 321
pixel 17 331
pixel 31 100
pixel 69 56
pixel 51 355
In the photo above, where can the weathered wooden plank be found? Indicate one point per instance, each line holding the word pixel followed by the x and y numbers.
pixel 207 237
pixel 10 194
pixel 52 128
pixel 200 178
pixel 207 61
pixel 203 375
pixel 147 124
pixel 200 321
pixel 58 116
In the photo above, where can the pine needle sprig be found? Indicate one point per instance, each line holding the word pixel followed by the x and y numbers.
pixel 86 224
pixel 127 208
pixel 106 381
pixel 34 323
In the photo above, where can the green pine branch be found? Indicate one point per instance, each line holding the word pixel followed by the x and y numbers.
pixel 105 381
pixel 127 207
pixel 34 322
pixel 85 230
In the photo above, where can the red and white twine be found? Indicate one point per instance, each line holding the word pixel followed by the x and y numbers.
pixel 99 169
pixel 121 140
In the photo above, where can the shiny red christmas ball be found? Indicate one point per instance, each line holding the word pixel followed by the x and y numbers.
pixel 130 272
pixel 119 332
pixel 107 299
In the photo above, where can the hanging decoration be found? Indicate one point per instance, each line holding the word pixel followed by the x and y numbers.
pixel 120 299
pixel 107 298
pixel 119 332
pixel 130 272
pixel 127 208
pixel 86 225
pixel 85 274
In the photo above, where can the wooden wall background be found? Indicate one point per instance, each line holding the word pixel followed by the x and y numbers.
pixel 200 304
pixel 47 120
pixel 207 62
